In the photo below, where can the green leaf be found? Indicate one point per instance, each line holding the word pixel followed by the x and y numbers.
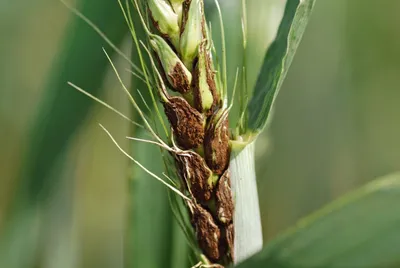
pixel 277 62
pixel 359 230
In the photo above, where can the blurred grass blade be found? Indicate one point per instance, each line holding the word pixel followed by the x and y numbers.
pixel 150 219
pixel 358 230
pixel 277 62
pixel 63 109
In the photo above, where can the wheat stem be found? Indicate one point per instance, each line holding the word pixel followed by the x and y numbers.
pixel 248 230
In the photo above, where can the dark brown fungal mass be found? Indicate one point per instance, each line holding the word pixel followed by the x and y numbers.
pixel 223 199
pixel 229 239
pixel 178 79
pixel 194 171
pixel 187 122
pixel 216 145
pixel 207 232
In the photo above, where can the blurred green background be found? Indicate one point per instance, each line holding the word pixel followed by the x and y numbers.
pixel 335 127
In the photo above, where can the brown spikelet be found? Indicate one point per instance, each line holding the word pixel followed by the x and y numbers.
pixel 207 232
pixel 229 238
pixel 216 145
pixel 197 101
pixel 223 199
pixel 187 122
pixel 179 80
pixel 193 170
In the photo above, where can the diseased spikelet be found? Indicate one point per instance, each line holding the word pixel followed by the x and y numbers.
pixel 177 74
pixel 198 120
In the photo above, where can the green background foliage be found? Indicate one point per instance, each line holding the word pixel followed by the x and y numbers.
pixel 334 128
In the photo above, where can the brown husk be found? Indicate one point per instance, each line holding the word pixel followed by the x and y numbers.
pixel 187 122
pixel 194 171
pixel 223 199
pixel 229 239
pixel 207 232
pixel 178 79
pixel 216 145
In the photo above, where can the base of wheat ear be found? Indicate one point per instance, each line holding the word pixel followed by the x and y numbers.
pixel 198 115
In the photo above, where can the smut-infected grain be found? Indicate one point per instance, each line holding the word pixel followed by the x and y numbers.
pixel 178 79
pixel 216 145
pixel 197 100
pixel 207 232
pixel 194 171
pixel 223 199
pixel 187 122
pixel 229 237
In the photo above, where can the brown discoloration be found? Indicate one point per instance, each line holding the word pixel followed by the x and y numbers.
pixel 178 79
pixel 226 244
pixel 194 171
pixel 210 72
pixel 212 206
pixel 223 199
pixel 216 145
pixel 185 11
pixel 207 232
pixel 203 21
pixel 187 123
pixel 229 238
pixel 211 78
pixel 197 97
pixel 156 25
pixel 198 103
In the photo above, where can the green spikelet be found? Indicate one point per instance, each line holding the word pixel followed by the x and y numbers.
pixel 203 88
pixel 165 20
pixel 177 5
pixel 192 34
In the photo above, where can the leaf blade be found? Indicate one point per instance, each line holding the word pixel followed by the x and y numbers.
pixel 333 237
pixel 277 62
